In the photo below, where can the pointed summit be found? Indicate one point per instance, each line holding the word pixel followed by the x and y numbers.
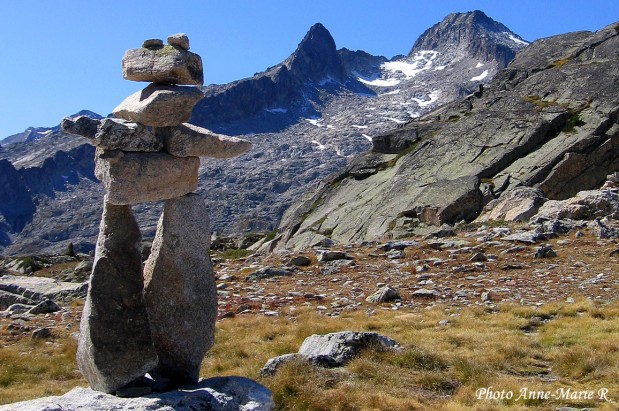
pixel 474 33
pixel 316 57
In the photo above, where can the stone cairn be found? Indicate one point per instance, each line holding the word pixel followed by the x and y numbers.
pixel 160 318
pixel 612 181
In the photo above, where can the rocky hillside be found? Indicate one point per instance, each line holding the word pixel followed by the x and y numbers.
pixel 550 120
pixel 307 117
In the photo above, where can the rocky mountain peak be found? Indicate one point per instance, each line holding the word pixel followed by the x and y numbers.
pixel 316 57
pixel 473 33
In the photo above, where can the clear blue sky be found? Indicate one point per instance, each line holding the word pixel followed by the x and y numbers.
pixel 61 56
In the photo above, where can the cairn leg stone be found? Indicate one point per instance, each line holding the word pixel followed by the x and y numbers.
pixel 115 345
pixel 180 290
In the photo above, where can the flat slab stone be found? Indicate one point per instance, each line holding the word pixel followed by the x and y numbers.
pixel 180 290
pixel 159 105
pixel 169 64
pixel 114 344
pixel 189 140
pixel 33 290
pixel 217 394
pixel 132 178
pixel 113 133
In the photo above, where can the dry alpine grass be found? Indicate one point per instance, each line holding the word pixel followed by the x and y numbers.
pixel 555 346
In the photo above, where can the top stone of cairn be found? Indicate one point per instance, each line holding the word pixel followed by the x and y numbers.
pixel 164 64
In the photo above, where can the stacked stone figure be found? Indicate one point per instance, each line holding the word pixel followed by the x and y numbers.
pixel 160 318
pixel 612 181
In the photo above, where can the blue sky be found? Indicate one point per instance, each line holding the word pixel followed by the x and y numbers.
pixel 61 56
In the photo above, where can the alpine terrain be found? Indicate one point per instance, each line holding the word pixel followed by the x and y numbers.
pixel 307 117
pixel 548 121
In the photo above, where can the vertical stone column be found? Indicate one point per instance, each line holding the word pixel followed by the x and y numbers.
pixel 180 290
pixel 115 345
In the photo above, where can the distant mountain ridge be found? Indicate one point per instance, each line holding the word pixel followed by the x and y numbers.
pixel 306 116
pixel 549 121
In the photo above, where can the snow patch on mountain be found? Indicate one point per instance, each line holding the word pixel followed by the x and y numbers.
pixel 516 39
pixel 481 76
pixel 433 97
pixel 315 121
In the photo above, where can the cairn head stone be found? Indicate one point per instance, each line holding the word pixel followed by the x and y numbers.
pixel 169 64
pixel 113 133
pixel 159 105
pixel 179 40
pixel 132 178
pixel 188 140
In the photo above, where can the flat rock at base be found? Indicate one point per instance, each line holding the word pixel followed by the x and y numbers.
pixel 188 140
pixel 217 394
pixel 113 133
pixel 115 345
pixel 180 290
pixel 159 105
pixel 131 178
pixel 165 65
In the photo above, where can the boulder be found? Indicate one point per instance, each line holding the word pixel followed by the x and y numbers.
pixel 300 261
pixel 337 349
pixel 131 178
pixel 269 272
pixel 169 64
pixel 332 350
pixel 180 290
pixel 324 256
pixel 518 204
pixel 159 105
pixel 115 345
pixel 383 295
pixel 33 290
pixel 114 133
pixel 44 307
pixel 273 364
pixel 219 393
pixel 396 141
pixel 585 205
pixel 188 140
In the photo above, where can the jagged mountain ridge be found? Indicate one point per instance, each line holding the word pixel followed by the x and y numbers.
pixel 322 106
pixel 548 121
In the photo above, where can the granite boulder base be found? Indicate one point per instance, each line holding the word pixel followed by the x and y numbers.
pixel 115 345
pixel 180 290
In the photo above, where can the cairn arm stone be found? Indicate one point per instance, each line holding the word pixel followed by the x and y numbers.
pixel 113 133
pixel 132 178
pixel 115 345
pixel 168 64
pixel 188 140
pixel 159 105
pixel 180 290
